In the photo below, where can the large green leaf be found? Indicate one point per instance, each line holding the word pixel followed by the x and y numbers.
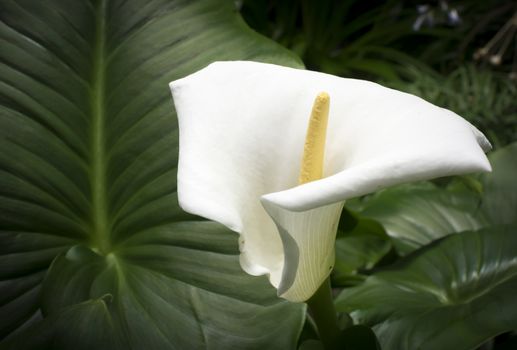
pixel 88 157
pixel 453 294
pixel 83 326
pixel 452 291
pixel 499 203
pixel 417 214
pixel 164 288
pixel 360 245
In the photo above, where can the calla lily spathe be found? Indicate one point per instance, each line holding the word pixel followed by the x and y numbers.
pixel 242 128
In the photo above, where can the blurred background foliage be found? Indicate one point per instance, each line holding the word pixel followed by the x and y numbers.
pixel 461 55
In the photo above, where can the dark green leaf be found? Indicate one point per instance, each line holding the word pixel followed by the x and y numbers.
pixel 87 325
pixel 453 294
pixel 417 214
pixel 164 294
pixel 500 187
pixel 358 249
pixel 88 141
pixel 414 215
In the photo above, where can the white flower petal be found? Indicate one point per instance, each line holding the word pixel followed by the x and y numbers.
pixel 242 129
pixel 308 240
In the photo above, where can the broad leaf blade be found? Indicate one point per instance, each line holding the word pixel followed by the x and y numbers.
pixel 456 289
pixel 160 293
pixel 89 150
pixel 417 214
pixel 359 248
pixel 499 187
pixel 453 294
pixel 77 320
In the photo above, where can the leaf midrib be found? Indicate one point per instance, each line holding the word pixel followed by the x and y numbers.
pixel 100 228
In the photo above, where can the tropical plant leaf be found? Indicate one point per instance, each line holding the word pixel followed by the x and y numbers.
pixel 87 179
pixel 452 291
pixel 361 243
pixel 88 325
pixel 158 293
pixel 453 294
pixel 416 214
pixel 499 203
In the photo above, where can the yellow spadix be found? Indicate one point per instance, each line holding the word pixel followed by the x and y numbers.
pixel 314 148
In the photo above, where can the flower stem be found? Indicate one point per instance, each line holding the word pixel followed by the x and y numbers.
pixel 321 308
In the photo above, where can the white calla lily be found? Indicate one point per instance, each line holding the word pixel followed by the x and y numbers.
pixel 242 133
